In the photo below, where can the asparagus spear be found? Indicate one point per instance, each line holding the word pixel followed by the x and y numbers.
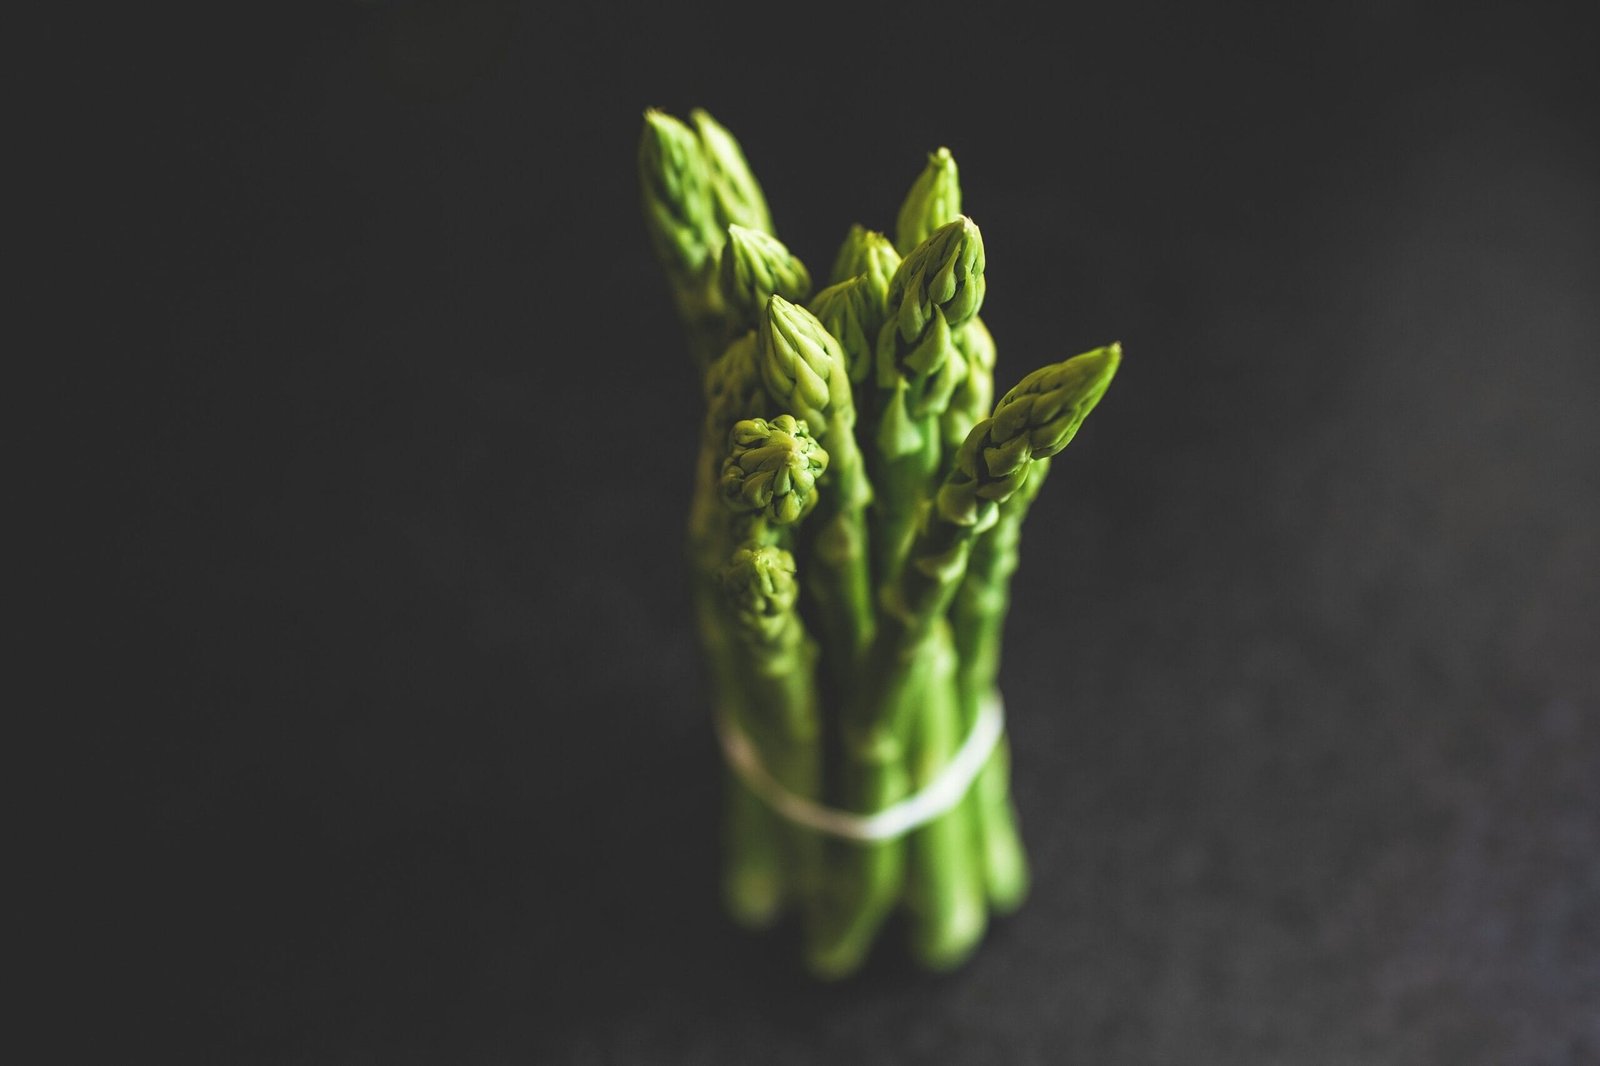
pixel 1033 421
pixel 695 183
pixel 769 479
pixel 783 717
pixel 862 880
pixel 805 373
pixel 752 854
pixel 675 182
pixel 752 857
pixel 946 897
pixel 753 881
pixel 945 886
pixel 934 200
pixel 762 590
pixel 978 618
pixel 941 279
pixel 854 307
pixel 939 286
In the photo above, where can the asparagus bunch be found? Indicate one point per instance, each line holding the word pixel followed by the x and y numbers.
pixel 858 505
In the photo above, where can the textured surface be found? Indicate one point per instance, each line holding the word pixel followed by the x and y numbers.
pixel 1310 773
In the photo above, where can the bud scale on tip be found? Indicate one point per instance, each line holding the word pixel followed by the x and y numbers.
pixel 933 201
pixel 736 196
pixel 754 267
pixel 772 468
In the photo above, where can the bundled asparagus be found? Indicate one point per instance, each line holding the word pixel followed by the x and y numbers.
pixel 858 506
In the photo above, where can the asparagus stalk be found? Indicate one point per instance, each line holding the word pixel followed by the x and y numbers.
pixel 945 894
pixel 783 719
pixel 769 479
pixel 752 853
pixel 752 857
pixel 752 881
pixel 978 617
pixel 863 880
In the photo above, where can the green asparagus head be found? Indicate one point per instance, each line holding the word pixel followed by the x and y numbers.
pixel 846 311
pixel 733 387
pixel 926 372
pixel 736 196
pixel 804 367
pixel 772 468
pixel 754 266
pixel 934 200
pixel 675 183
pixel 759 582
pixel 1035 420
pixel 936 290
pixel 853 309
pixel 1049 405
pixel 945 272
pixel 868 252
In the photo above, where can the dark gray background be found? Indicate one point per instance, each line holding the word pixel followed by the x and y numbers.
pixel 415 766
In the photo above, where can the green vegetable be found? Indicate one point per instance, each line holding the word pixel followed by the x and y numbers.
pixel 736 197
pixel 756 265
pixel 804 370
pixel 938 287
pixel 772 469
pixel 781 714
pixel 857 510
pixel 934 199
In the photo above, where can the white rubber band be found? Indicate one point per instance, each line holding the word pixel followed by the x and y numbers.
pixel 895 820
